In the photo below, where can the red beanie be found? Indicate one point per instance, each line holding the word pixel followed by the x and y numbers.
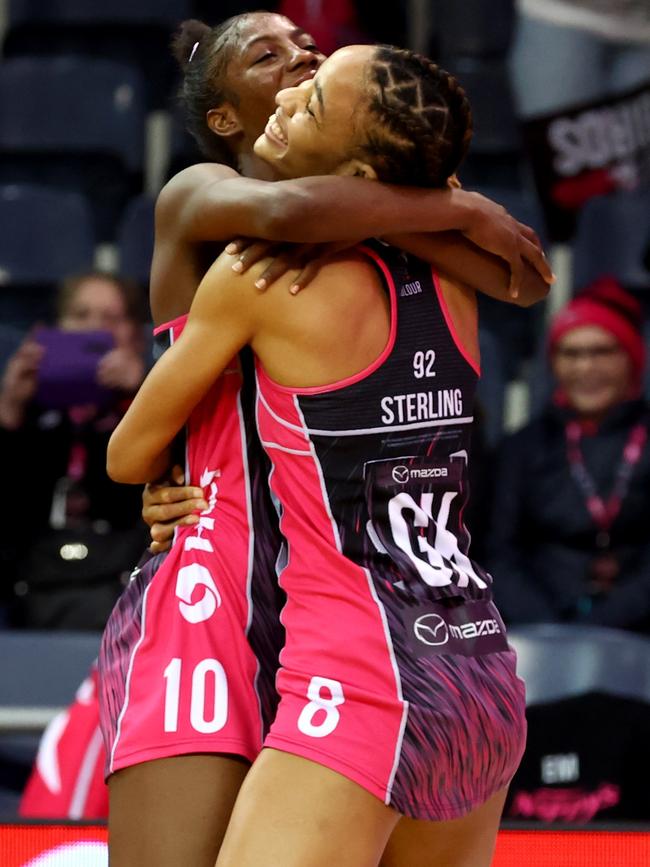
pixel 606 304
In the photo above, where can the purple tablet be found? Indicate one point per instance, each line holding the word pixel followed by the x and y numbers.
pixel 67 374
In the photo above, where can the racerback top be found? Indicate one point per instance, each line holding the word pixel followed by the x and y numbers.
pixel 372 471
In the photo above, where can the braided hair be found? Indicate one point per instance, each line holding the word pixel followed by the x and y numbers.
pixel 423 120
pixel 203 54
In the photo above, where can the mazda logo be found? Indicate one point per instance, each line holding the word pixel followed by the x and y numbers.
pixel 401 475
pixel 431 629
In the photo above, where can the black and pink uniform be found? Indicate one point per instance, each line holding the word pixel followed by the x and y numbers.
pixel 190 652
pixel 396 671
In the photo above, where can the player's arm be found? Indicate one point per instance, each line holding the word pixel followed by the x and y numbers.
pixel 461 261
pixel 218 326
pixel 214 203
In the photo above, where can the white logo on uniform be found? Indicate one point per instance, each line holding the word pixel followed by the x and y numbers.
pixel 476 628
pixel 431 629
pixel 188 579
pixel 197 541
pixel 414 288
pixel 401 475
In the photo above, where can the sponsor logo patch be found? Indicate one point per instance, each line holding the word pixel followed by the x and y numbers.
pixel 431 629
pixel 475 628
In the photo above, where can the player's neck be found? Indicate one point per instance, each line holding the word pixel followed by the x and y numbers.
pixel 251 166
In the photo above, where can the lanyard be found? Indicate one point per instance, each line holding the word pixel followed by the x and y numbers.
pixel 65 505
pixel 604 512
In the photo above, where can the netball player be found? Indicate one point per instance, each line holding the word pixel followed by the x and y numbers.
pixel 399 699
pixel 163 639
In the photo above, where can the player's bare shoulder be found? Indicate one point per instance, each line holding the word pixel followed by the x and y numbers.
pixel 179 190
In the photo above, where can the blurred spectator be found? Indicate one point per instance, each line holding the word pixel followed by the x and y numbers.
pixel 71 533
pixel 569 538
pixel 572 51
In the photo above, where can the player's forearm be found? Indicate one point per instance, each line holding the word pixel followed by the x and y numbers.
pixel 137 455
pixel 462 261
pixel 129 467
pixel 324 209
pixel 138 450
pixel 321 209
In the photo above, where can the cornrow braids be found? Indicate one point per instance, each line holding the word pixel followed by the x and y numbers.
pixel 203 54
pixel 423 119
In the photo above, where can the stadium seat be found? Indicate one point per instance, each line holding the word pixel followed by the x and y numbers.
pixel 47 236
pixel 135 239
pixel 167 12
pixel 564 660
pixel 517 329
pixel 487 83
pixel 11 336
pixel 46 669
pixel 588 709
pixel 40 674
pixel 74 124
pixel 611 239
pixel 473 28
pixel 137 33
pixel 491 386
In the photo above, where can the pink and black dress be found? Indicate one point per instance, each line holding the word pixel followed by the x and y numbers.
pixel 396 670
pixel 190 652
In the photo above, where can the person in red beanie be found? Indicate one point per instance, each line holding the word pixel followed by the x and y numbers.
pixel 597 350
pixel 569 537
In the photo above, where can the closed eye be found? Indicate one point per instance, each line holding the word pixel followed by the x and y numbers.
pixel 264 57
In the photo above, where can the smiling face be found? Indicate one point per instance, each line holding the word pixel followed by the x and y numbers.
pixel 593 370
pixel 317 126
pixel 267 54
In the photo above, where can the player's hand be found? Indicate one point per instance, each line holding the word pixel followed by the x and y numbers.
pixel 305 259
pixel 493 229
pixel 170 504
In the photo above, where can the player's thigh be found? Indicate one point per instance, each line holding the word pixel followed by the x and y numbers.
pixel 172 812
pixel 292 812
pixel 465 842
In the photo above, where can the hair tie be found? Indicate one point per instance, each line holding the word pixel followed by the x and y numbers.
pixel 193 51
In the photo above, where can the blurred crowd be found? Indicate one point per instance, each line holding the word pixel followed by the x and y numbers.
pixel 559 517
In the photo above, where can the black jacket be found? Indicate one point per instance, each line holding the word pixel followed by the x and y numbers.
pixel 35 457
pixel 542 539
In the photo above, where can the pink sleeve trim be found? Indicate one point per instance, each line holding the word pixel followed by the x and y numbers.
pixel 173 323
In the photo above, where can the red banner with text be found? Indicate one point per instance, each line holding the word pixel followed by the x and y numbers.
pixel 41 845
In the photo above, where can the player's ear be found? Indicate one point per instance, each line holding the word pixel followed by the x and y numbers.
pixel 224 121
pixel 356 168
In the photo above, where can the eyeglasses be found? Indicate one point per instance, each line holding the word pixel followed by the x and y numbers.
pixel 588 353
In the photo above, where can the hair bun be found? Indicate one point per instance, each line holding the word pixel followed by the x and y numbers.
pixel 185 39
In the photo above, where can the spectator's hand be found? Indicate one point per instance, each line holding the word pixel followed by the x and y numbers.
pixel 170 504
pixel 19 383
pixel 122 369
pixel 306 259
pixel 493 229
